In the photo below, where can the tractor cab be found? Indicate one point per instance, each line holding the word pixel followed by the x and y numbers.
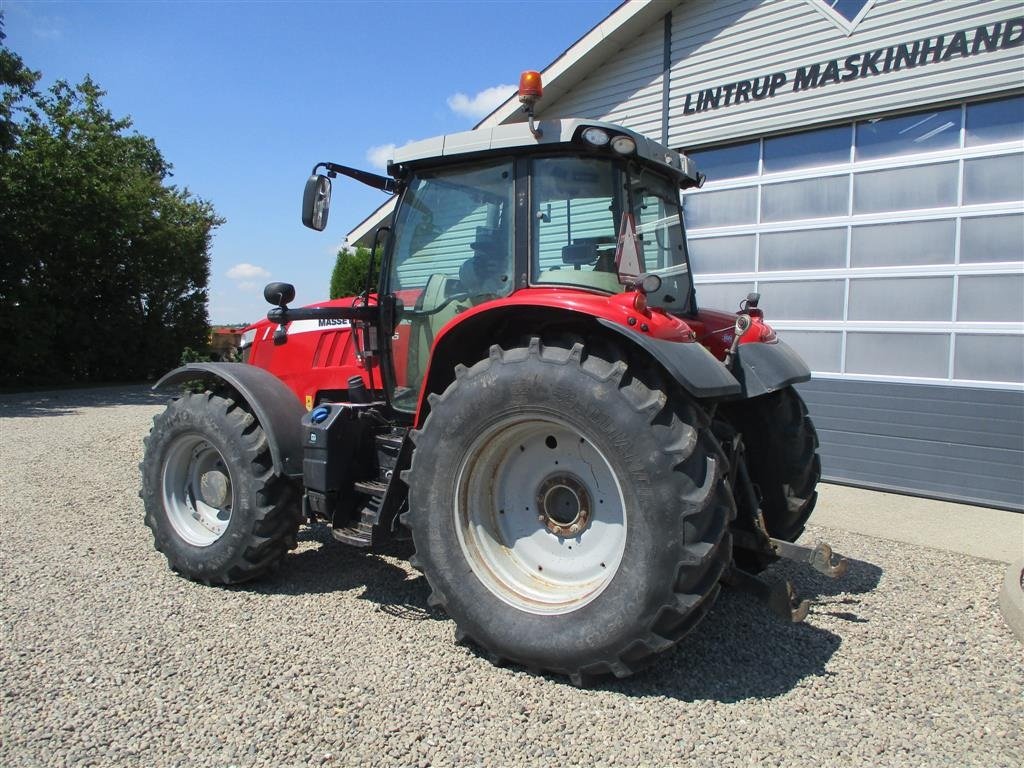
pixel 524 213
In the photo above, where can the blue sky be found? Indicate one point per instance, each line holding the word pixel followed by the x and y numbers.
pixel 244 98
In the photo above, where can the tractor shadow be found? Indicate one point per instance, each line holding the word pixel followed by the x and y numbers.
pixel 63 402
pixel 740 651
pixel 396 588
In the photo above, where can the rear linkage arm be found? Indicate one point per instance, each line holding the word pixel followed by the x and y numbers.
pixel 778 594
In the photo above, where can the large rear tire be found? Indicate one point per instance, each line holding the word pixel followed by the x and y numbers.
pixel 218 512
pixel 782 457
pixel 567 515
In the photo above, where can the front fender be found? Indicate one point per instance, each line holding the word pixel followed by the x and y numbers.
pixel 764 368
pixel 273 404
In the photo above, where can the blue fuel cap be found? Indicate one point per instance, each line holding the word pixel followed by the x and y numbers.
pixel 319 414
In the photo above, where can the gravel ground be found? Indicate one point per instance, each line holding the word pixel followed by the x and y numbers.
pixel 108 658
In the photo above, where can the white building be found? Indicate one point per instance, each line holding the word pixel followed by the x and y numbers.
pixel 865 163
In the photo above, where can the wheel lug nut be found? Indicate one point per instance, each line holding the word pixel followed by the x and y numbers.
pixel 574 528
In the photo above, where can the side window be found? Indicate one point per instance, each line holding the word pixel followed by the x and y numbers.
pixel 660 235
pixel 577 206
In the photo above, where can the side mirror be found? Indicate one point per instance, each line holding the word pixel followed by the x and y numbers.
pixel 316 202
pixel 279 294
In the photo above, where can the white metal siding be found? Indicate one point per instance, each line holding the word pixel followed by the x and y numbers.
pixel 627 89
pixel 715 42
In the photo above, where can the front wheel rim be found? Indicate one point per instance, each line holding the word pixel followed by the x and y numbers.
pixel 540 515
pixel 198 493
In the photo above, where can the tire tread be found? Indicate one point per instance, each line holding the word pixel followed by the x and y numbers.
pixel 686 435
pixel 275 517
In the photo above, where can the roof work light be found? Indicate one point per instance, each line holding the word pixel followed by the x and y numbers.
pixel 624 145
pixel 595 137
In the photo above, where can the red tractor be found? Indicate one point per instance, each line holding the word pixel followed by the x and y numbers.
pixel 580 453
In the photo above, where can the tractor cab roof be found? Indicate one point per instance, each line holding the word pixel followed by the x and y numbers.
pixel 518 138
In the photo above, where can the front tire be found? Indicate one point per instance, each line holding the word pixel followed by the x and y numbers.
pixel 567 515
pixel 217 510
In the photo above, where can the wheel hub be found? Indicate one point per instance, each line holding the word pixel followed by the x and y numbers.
pixel 213 486
pixel 540 514
pixel 564 504
pixel 197 492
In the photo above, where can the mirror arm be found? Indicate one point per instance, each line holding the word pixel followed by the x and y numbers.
pixel 284 315
pixel 383 183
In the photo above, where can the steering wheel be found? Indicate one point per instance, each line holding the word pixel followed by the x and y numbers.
pixel 428 312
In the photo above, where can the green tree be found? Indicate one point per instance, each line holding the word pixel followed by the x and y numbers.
pixel 16 84
pixel 350 269
pixel 103 267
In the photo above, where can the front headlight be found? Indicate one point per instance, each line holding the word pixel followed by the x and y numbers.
pixel 247 338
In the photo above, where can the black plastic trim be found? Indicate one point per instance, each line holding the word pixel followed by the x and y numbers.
pixel 276 407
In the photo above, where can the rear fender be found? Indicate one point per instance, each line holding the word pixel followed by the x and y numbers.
pixel 274 405
pixel 768 367
pixel 696 369
pixel 689 363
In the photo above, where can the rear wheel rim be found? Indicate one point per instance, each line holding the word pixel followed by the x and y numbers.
pixel 197 490
pixel 540 515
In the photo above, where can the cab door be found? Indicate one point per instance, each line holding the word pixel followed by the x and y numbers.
pixel 452 249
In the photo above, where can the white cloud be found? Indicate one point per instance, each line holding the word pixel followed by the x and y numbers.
pixel 43 25
pixel 378 156
pixel 483 103
pixel 245 271
pixel 48 33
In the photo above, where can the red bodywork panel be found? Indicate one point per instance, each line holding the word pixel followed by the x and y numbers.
pixel 715 330
pixel 319 355
pixel 322 355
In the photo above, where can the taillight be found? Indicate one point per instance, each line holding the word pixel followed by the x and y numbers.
pixel 756 330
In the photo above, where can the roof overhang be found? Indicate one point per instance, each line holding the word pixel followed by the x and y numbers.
pixel 598 45
pixel 612 34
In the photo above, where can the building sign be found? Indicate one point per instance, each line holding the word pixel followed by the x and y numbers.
pixel 931 50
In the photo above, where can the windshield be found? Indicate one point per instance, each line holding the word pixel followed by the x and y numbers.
pixel 600 225
pixel 454 227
